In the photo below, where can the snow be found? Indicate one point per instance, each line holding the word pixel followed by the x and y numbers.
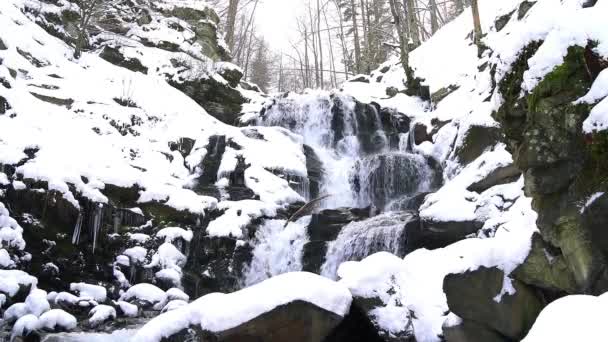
pixel 173 305
pixel 170 234
pixel 571 318
pixel 55 319
pixel 128 309
pixel 138 237
pixel 167 256
pixel 37 303
pixel 237 216
pixel 590 200
pixel 416 282
pixel 65 297
pixel 144 291
pixel 136 254
pixel 218 312
pixel 12 280
pixel 101 313
pixel 15 311
pixel 163 114
pixel 24 325
pixel 95 292
pixel 177 294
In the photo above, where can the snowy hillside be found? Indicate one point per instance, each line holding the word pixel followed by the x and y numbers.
pixel 141 179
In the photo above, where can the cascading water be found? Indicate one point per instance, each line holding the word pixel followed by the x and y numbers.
pixel 278 249
pixel 362 165
pixel 381 178
pixel 385 232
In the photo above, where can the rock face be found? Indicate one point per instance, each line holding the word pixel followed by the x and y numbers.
pixel 297 321
pixel 434 234
pixel 561 166
pixel 476 296
pixel 325 227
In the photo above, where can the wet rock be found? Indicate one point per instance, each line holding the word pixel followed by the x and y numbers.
pixel 502 175
pixel 231 74
pixel 421 134
pixel 324 227
pixel 470 331
pixel 357 327
pixel 472 296
pixel 211 163
pixel 315 171
pixel 432 234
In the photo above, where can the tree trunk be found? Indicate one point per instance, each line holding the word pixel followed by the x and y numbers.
pixel 320 42
pixel 413 22
pixel 434 20
pixel 230 22
pixel 399 20
pixel 356 37
pixel 476 24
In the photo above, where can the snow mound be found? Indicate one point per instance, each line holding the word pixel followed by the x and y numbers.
pixel 571 318
pixel 143 291
pixel 56 319
pixel 217 312
pixel 94 292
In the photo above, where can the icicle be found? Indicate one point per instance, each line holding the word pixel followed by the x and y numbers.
pixel 117 219
pixel 97 224
pixel 77 229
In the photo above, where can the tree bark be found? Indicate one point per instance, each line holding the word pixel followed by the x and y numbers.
pixel 231 22
pixel 476 23
pixel 356 37
pixel 434 20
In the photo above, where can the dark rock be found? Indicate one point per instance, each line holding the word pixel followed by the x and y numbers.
pixel 357 327
pixel 232 75
pixel 183 145
pixel 324 227
pixel 211 163
pixel 360 78
pixel 471 296
pixel 392 91
pixel 114 56
pixel 595 220
pixel 589 3
pixel 2 45
pixel 523 9
pixel 54 100
pixel 502 21
pixel 546 268
pixel 442 93
pixel 477 140
pixel 470 331
pixel 437 234
pixel 315 171
pixel 297 321
pixel 313 256
pixel 421 134
pixel 220 101
pixel 4 105
pixel 502 175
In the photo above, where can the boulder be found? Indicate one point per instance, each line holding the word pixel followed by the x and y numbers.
pixel 501 175
pixel 114 56
pixel 297 321
pixel 546 268
pixel 470 331
pixel 476 296
pixel 432 234
pixel 477 140
pixel 324 227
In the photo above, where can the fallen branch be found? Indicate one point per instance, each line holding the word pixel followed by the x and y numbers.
pixel 306 209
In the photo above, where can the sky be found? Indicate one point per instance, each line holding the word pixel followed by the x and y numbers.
pixel 276 21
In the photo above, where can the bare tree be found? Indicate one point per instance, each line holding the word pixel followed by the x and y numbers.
pixel 87 9
pixel 476 24
pixel 231 22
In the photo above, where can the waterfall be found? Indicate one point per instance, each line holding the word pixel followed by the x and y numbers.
pixel 381 178
pixel 277 250
pixel 357 240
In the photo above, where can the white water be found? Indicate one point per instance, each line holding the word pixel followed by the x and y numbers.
pixel 382 233
pixel 278 249
pixel 118 335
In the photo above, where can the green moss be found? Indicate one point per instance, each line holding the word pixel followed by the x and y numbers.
pixel 569 80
